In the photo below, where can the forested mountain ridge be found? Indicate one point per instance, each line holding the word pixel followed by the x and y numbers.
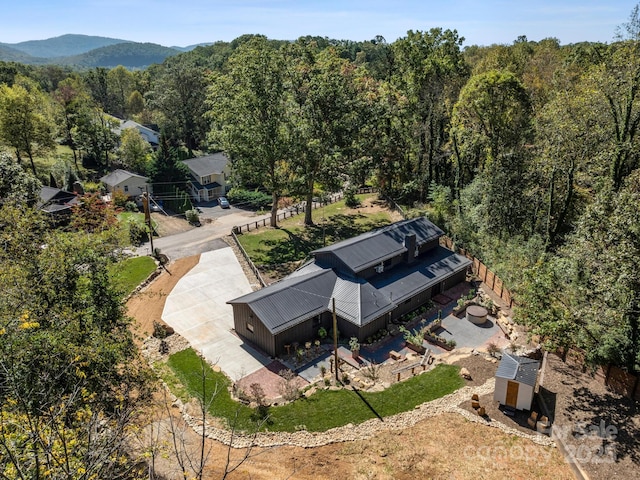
pixel 86 51
pixel 63 46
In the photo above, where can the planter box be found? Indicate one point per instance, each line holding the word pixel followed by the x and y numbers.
pixel 416 348
pixel 439 343
pixel 435 325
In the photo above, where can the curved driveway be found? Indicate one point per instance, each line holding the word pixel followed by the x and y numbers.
pixel 196 308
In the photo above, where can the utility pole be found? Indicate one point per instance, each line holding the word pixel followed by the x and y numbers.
pixel 147 217
pixel 335 337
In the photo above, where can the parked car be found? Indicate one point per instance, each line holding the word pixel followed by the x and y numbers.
pixel 223 202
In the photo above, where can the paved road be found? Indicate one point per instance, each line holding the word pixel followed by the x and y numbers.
pixel 202 239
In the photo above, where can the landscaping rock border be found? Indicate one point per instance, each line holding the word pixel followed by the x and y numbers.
pixel 362 431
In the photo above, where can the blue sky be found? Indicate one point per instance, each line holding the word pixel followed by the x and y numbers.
pixel 187 22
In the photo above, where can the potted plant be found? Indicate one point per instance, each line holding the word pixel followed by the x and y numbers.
pixel 354 345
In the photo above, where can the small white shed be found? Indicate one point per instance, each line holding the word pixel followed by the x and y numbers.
pixel 515 381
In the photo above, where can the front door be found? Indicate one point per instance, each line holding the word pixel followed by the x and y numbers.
pixel 512 394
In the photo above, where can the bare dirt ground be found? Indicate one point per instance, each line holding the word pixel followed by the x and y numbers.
pixel 582 404
pixel 147 305
pixel 168 225
pixel 447 446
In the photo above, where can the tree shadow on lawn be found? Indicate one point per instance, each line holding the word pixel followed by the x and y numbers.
pixel 300 244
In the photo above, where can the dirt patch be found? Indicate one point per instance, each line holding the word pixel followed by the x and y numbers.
pixel 170 225
pixel 146 306
pixel 443 447
pixel 601 427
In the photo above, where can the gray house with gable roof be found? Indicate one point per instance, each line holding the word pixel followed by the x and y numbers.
pixel 374 278
pixel 209 176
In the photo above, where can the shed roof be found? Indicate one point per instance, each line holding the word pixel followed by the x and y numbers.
pixel 520 369
pixel 208 164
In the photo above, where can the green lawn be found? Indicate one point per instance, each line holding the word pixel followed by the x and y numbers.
pixel 131 272
pixel 293 241
pixel 323 410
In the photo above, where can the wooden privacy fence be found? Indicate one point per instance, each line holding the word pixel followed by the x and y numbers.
pixel 615 378
pixel 482 272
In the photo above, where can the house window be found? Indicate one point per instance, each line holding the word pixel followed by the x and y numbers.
pixel 316 321
pixel 250 327
pixel 126 188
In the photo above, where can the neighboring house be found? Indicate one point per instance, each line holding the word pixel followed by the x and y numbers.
pixel 129 183
pixel 147 133
pixel 515 381
pixel 209 176
pixel 374 278
pixel 57 203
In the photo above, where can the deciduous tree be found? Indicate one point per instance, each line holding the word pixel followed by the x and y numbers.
pixel 26 121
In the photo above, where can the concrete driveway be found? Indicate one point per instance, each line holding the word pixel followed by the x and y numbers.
pixel 196 308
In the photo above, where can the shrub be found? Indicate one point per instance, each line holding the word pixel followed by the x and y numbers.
pixel 251 199
pixel 288 389
pixel 160 330
pixel 119 198
pixel 415 337
pixel 350 199
pixel 354 345
pixel 192 216
pixel 138 233
pixel 492 349
pixel 131 206
pixel 322 333
pixel 371 372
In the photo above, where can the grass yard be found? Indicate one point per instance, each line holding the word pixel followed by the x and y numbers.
pixel 131 272
pixel 323 410
pixel 293 241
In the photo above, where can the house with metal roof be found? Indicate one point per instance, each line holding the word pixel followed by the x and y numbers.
pixel 515 381
pixel 373 279
pixel 209 176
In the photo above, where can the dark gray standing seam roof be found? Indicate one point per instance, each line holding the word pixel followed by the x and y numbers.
pixel 371 248
pixel 404 282
pixel 292 300
pixel 521 369
pixel 358 301
pixel 310 290
pixel 208 164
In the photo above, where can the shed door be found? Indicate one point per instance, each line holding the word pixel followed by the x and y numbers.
pixel 512 394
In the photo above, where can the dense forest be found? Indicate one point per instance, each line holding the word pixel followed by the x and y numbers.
pixel 525 154
pixel 518 151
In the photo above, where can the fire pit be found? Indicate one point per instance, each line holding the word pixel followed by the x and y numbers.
pixel 476 314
